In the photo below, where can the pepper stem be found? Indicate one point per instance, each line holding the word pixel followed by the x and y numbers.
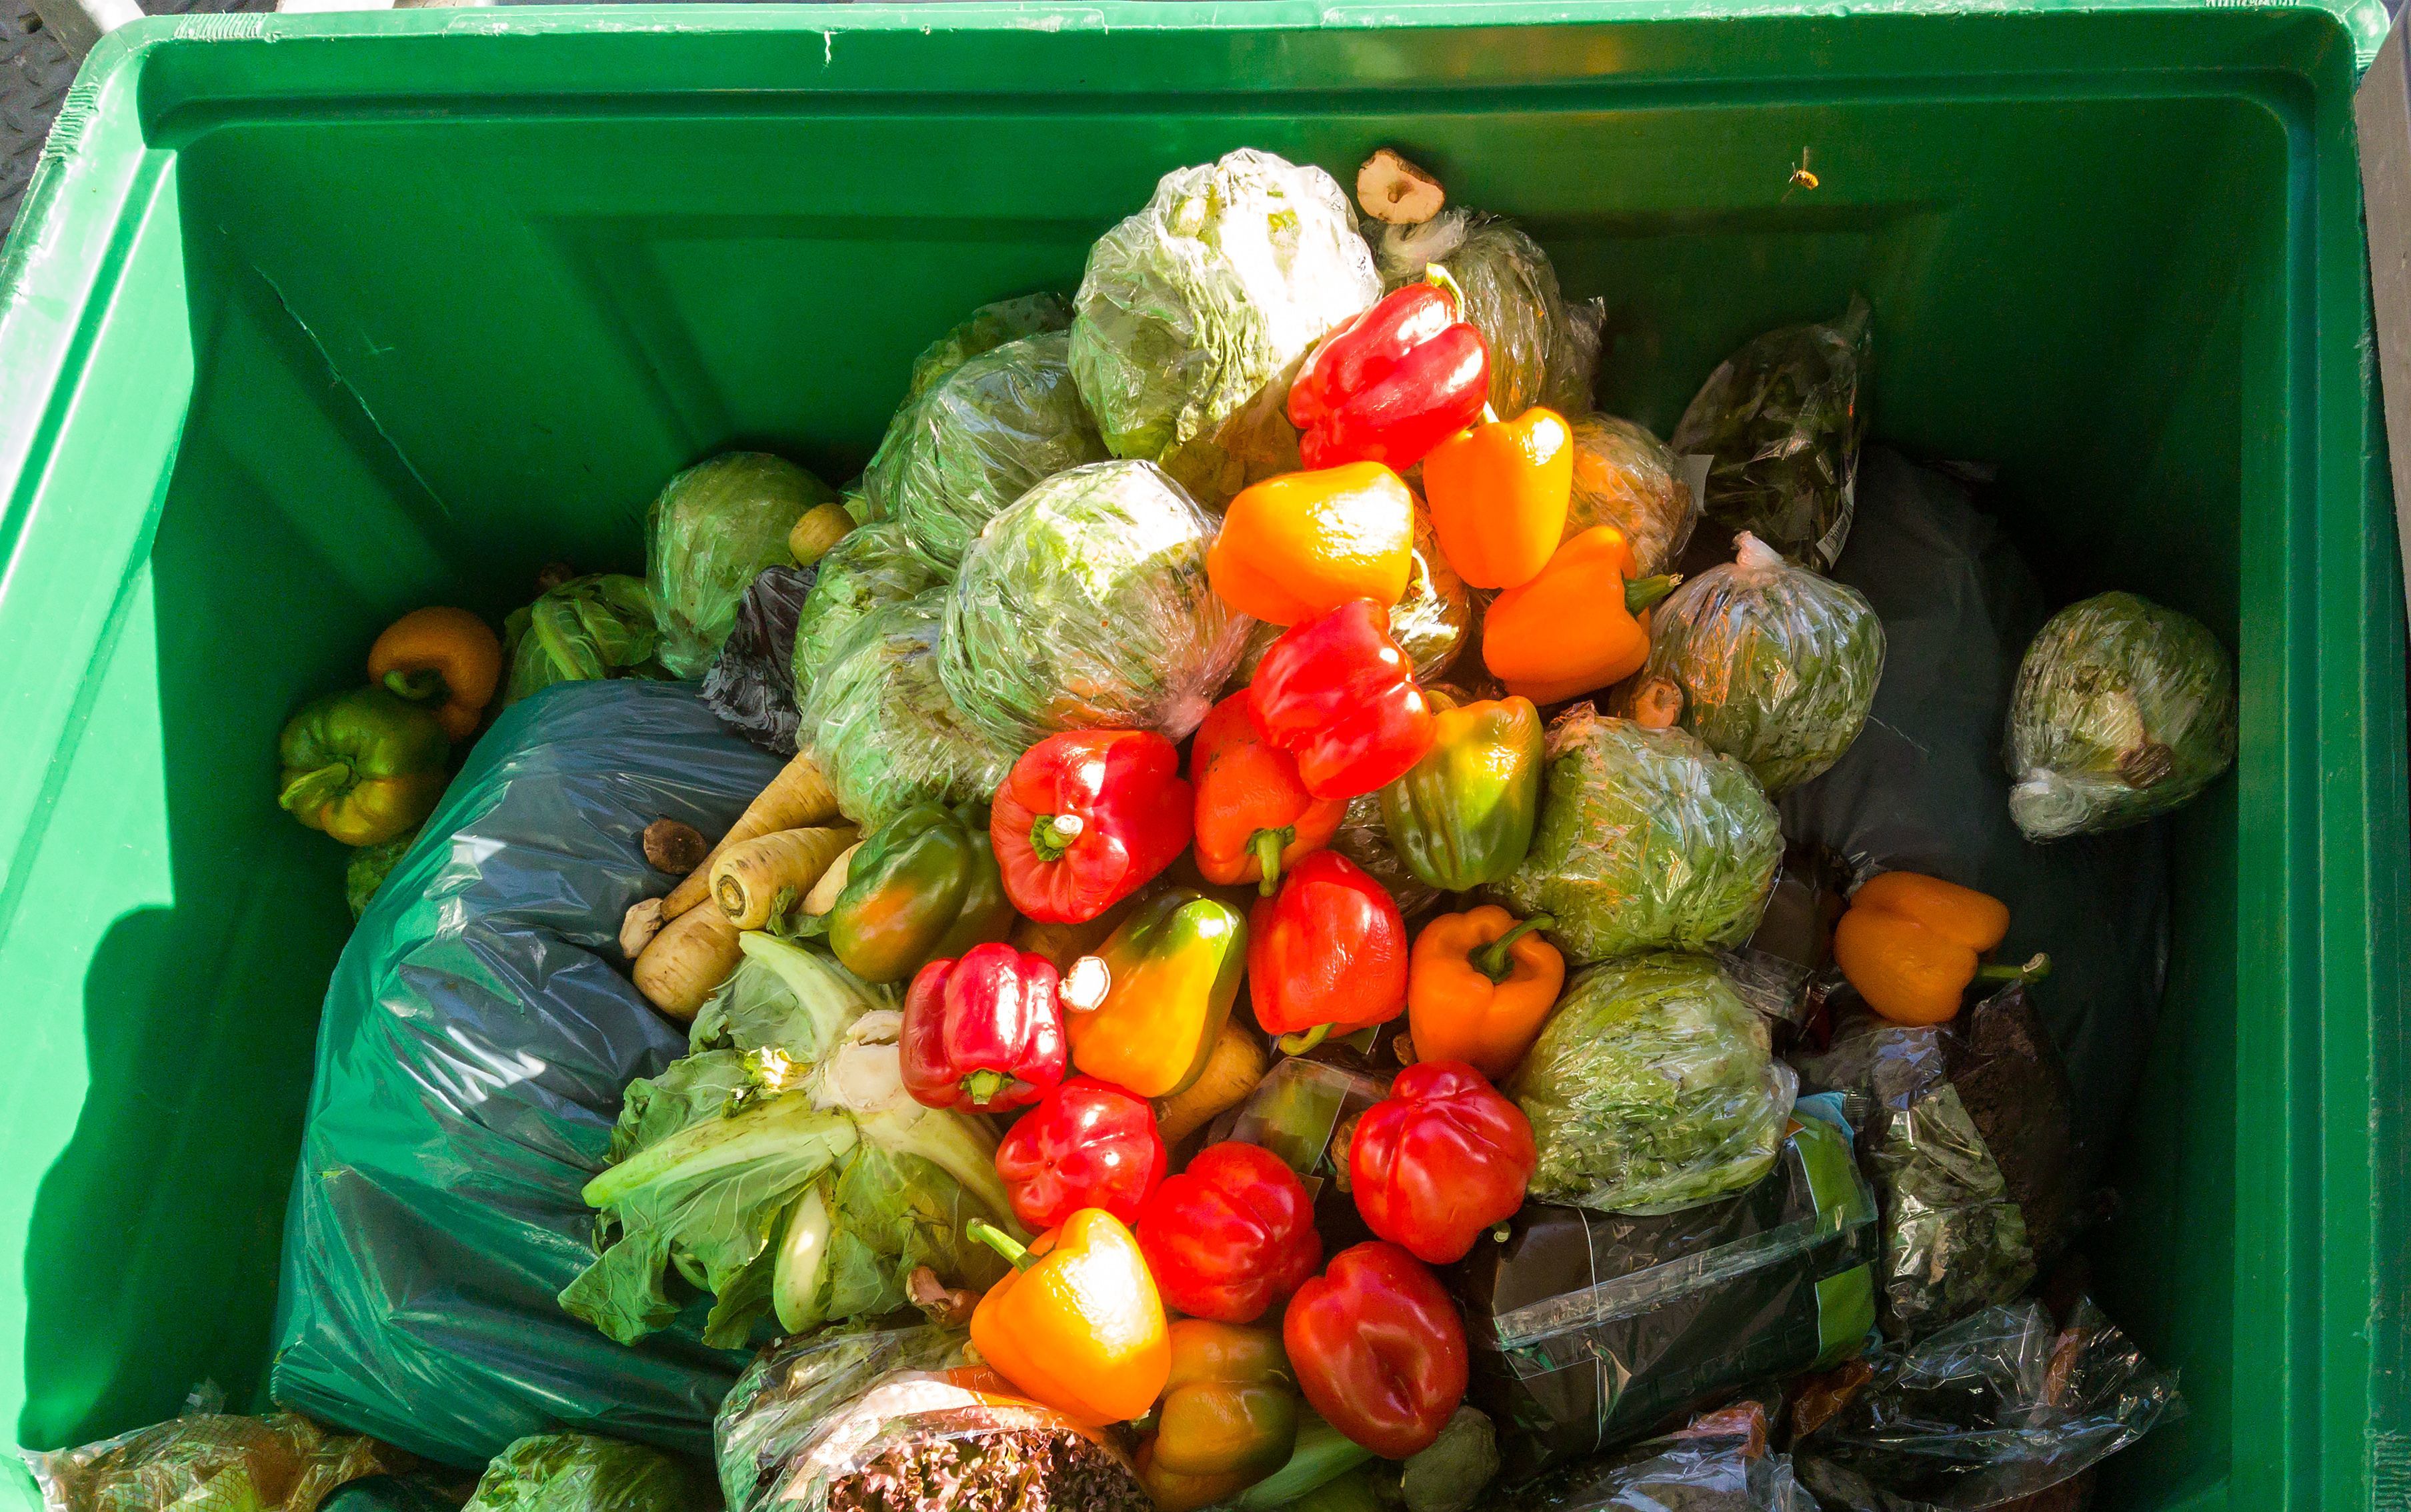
pixel 1491 960
pixel 984 1084
pixel 1001 1241
pixel 315 790
pixel 425 686
pixel 1640 592
pixel 1439 278
pixel 1298 1044
pixel 1051 835
pixel 2036 967
pixel 1268 845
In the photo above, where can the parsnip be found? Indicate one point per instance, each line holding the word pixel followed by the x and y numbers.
pixel 693 953
pixel 770 874
pixel 797 798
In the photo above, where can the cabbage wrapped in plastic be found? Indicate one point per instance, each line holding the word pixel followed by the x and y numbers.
pixel 1430 622
pixel 990 326
pixel 1194 312
pixel 977 440
pixel 711 532
pixel 589 1473
pixel 1623 476
pixel 1651 1089
pixel 1541 351
pixel 1777 664
pixel 1647 840
pixel 2123 710
pixel 585 630
pixel 1782 419
pixel 872 565
pixel 1086 606
pixel 879 721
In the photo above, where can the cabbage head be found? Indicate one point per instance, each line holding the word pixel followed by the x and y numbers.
pixel 872 565
pixel 880 724
pixel 1623 476
pixel 585 630
pixel 588 1473
pixel 990 326
pixel 711 532
pixel 1541 351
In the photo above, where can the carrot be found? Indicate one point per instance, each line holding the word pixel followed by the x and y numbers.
pixel 1234 1067
pixel 693 953
pixel 795 799
pixel 768 875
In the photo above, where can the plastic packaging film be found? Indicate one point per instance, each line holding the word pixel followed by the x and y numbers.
pixel 879 723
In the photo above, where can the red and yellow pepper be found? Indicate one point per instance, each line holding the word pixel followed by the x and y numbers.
pixel 1439 1160
pixel 1076 1324
pixel 1145 1011
pixel 1394 382
pixel 1086 818
pixel 1087 1144
pixel 1326 954
pixel 1377 1348
pixel 1337 694
pixel 1230 1235
pixel 983 1033
pixel 1228 1417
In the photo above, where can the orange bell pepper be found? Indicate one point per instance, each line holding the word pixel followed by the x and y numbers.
pixel 1303 544
pixel 448 660
pixel 1583 623
pixel 1254 816
pixel 1478 987
pixel 1076 1323
pixel 1499 494
pixel 1910 944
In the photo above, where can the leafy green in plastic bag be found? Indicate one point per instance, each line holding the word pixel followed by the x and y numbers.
pixel 1087 605
pixel 1651 1089
pixel 1542 351
pixel 1777 664
pixel 880 721
pixel 990 326
pixel 587 1473
pixel 713 530
pixel 872 565
pixel 2123 710
pixel 1647 840
pixel 585 630
pixel 1623 476
pixel 785 1397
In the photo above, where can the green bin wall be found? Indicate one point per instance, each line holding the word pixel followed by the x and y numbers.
pixel 308 321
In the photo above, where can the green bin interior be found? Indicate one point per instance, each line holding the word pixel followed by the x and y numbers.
pixel 309 321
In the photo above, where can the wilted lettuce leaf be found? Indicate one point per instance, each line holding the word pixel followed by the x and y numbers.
pixel 711 530
pixel 587 628
pixel 873 564
pixel 883 726
pixel 587 1473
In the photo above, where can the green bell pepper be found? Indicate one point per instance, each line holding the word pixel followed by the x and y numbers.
pixel 923 887
pixel 363 765
pixel 1462 817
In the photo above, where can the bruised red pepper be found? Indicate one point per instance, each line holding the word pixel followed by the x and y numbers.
pixel 1439 1160
pixel 1378 1349
pixel 1326 954
pixel 1230 1235
pixel 1086 818
pixel 984 1032
pixel 1336 693
pixel 1087 1144
pixel 1253 815
pixel 1394 382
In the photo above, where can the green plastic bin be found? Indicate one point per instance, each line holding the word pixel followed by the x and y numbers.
pixel 309 321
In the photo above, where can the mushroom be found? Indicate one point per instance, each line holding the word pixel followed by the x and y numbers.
pixel 1394 191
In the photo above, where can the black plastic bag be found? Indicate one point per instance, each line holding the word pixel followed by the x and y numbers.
pixel 751 684
pixel 476 1037
pixel 1922 789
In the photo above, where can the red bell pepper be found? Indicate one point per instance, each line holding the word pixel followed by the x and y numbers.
pixel 1253 815
pixel 984 1032
pixel 1087 1144
pixel 1336 693
pixel 1394 382
pixel 1230 1235
pixel 1439 1160
pixel 1086 818
pixel 1327 954
pixel 1379 1350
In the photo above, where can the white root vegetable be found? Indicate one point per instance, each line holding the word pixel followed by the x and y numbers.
pixel 764 877
pixel 693 953
pixel 797 798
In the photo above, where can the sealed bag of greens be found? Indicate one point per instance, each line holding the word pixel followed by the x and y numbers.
pixel 784 1398
pixel 1541 351
pixel 584 631
pixel 1651 1089
pixel 751 684
pixel 1590 1328
pixel 871 565
pixel 1777 665
pixel 1195 314
pixel 210 1461
pixel 1647 840
pixel 1783 417
pixel 975 441
pixel 587 1473
pixel 879 723
pixel 710 533
pixel 1623 476
pixel 1085 605
pixel 990 326
pixel 2123 710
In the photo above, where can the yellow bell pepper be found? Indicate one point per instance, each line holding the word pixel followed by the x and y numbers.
pixel 1076 1323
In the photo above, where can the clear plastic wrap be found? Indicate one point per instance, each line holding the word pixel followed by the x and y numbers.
pixel 1647 840
pixel 990 326
pixel 1588 1328
pixel 1195 314
pixel 1543 351
pixel 1085 605
pixel 711 532
pixel 784 1398
pixel 879 723
pixel 209 1461
pixel 2001 1405
pixel 873 564
pixel 751 684
pixel 1364 838
pixel 1651 1089
pixel 975 441
pixel 585 630
pixel 587 1473
pixel 1623 476
pixel 1715 1476
pixel 1782 418
pixel 2123 709
pixel 1778 665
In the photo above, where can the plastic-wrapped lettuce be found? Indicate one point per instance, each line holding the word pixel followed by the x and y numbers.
pixel 1651 1089
pixel 990 326
pixel 1194 312
pixel 1430 622
pixel 1782 418
pixel 585 630
pixel 2123 709
pixel 1542 351
pixel 789 1391
pixel 1777 664
pixel 711 532
pixel 1085 605
pixel 1623 476
pixel 975 441
pixel 880 724
pixel 1647 841
pixel 874 565
pixel 588 1473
